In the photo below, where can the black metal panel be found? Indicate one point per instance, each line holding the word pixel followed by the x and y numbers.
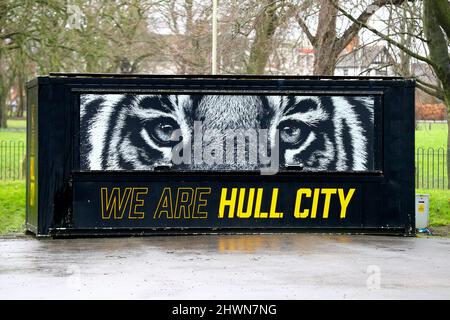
pixel 69 201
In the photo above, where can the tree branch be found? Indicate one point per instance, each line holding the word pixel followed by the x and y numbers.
pixel 437 44
pixel 10 34
pixel 138 60
pixel 429 85
pixel 305 29
pixel 383 36
pixel 435 93
pixel 380 67
pixel 356 26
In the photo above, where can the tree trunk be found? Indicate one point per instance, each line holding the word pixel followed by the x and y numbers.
pixel 434 26
pixel 324 63
pixel 261 48
pixel 20 95
pixel 448 149
pixel 3 111
pixel 325 45
pixel 447 103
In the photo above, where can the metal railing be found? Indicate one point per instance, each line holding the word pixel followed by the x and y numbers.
pixel 431 168
pixel 12 160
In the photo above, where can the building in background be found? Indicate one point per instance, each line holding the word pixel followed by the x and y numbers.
pixel 294 57
pixel 365 61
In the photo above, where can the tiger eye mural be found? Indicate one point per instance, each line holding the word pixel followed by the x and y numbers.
pixel 226 132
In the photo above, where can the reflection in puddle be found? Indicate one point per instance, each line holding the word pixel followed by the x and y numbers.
pixel 275 242
pixel 247 244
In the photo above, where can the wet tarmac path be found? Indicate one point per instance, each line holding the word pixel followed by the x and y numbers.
pixel 270 266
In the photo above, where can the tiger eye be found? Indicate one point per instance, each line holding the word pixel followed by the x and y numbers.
pixel 162 131
pixel 290 134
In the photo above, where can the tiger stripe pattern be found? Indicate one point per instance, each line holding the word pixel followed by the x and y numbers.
pixel 311 133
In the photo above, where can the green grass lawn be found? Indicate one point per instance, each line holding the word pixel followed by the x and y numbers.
pixel 12 206
pixel 7 135
pixel 17 124
pixel 432 135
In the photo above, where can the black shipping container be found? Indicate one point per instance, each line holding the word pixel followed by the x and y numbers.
pixel 147 154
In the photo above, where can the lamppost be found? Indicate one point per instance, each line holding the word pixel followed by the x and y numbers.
pixel 214 39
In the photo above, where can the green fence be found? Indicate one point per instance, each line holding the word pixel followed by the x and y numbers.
pixel 12 160
pixel 431 168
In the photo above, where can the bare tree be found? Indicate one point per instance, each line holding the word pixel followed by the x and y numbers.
pixel 188 42
pixel 326 42
pixel 436 24
pixel 265 26
pixel 270 16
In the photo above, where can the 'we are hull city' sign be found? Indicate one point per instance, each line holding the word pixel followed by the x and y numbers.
pixel 163 154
